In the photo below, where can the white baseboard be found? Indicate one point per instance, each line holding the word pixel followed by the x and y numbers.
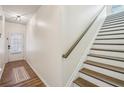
pixel 27 60
pixel 2 69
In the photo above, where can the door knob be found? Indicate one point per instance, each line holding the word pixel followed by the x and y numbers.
pixel 8 46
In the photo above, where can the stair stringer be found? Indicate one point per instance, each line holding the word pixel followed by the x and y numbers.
pixel 99 22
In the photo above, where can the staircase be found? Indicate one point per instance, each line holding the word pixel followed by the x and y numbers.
pixel 104 66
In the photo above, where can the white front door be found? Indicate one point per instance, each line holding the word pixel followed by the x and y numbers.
pixel 15 46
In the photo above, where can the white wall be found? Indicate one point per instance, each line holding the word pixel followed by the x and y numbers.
pixel 43 48
pixel 2 50
pixel 76 19
pixel 50 33
pixel 2 42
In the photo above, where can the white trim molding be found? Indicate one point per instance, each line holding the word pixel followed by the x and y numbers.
pixel 1 70
pixel 28 61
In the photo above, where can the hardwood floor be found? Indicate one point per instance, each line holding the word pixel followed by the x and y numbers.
pixel 8 78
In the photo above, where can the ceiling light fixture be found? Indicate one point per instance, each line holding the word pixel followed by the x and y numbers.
pixel 18 18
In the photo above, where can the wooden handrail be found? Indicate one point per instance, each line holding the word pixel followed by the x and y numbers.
pixel 82 35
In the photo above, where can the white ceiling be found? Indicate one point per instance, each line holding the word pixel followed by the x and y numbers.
pixel 25 11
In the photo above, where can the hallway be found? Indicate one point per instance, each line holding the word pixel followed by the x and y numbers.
pixel 62 46
pixel 12 79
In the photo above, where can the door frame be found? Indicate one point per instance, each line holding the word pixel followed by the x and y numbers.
pixel 7 42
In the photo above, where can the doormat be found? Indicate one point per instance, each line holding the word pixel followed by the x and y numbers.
pixel 20 74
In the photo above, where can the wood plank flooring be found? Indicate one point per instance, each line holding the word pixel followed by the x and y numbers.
pixel 8 80
pixel 84 83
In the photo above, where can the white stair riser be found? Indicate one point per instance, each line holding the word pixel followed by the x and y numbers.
pixel 111 29
pixel 118 15
pixel 106 61
pixel 113 20
pixel 116 23
pixel 115 15
pixel 94 81
pixel 105 71
pixel 112 47
pixel 108 53
pixel 111 32
pixel 112 25
pixel 109 41
pixel 111 36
